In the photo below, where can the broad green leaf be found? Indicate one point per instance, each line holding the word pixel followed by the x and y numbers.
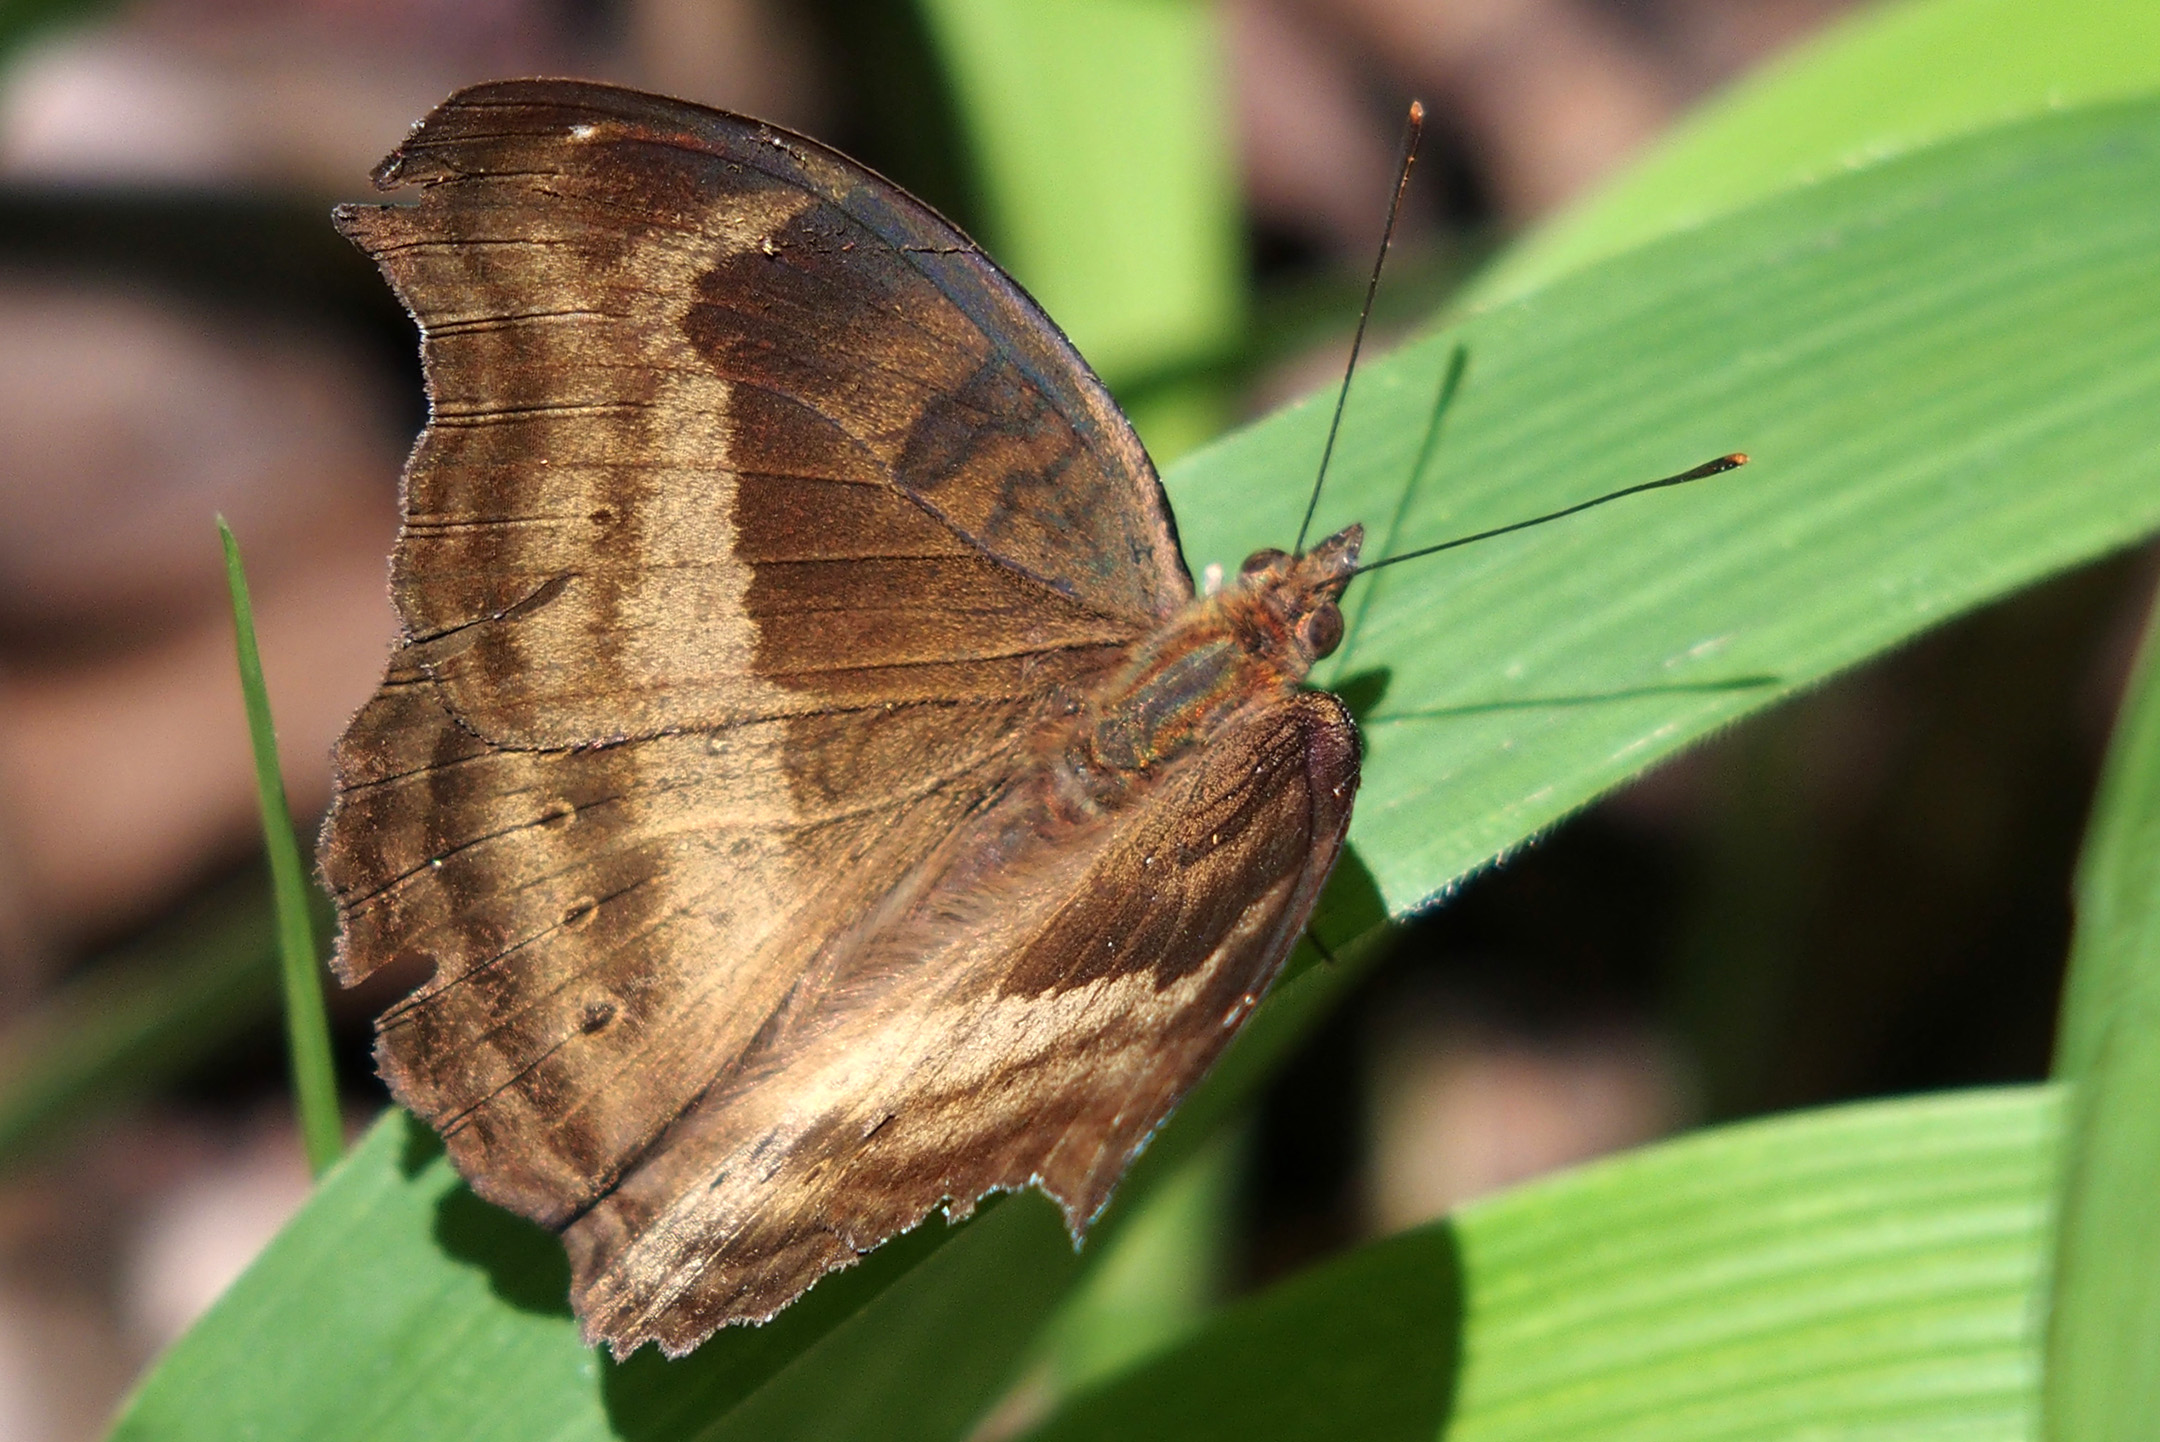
pixel 399 1305
pixel 1863 1273
pixel 396 1305
pixel 1946 366
pixel 2103 1372
pixel 1889 80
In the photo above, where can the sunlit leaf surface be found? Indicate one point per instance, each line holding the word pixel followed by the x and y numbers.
pixel 1866 1273
pixel 1945 369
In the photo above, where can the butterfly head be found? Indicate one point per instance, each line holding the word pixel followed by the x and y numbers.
pixel 1302 590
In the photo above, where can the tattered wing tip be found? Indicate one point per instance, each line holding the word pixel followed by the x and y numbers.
pixel 390 172
pixel 368 226
pixel 415 162
pixel 327 850
pixel 1078 1216
pixel 348 971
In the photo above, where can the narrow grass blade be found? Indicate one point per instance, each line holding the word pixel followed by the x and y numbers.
pixel 1866 1273
pixel 2115 956
pixel 307 1023
pixel 2103 1359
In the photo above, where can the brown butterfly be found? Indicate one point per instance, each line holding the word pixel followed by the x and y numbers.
pixel 807 772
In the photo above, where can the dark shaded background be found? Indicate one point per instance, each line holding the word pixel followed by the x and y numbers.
pixel 1865 892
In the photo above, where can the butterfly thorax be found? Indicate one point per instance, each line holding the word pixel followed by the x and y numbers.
pixel 1252 640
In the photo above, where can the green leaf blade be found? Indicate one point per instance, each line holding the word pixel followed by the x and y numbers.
pixel 1864 1272
pixel 433 1344
pixel 1942 366
pixel 1866 1268
pixel 2103 1374
pixel 397 1304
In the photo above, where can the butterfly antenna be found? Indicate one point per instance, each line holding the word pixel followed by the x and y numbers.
pixel 1707 469
pixel 1413 132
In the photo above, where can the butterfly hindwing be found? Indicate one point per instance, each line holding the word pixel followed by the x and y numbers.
pixel 1098 974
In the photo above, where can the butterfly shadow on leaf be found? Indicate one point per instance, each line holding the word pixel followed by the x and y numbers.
pixel 523 1262
pixel 1369 1345
pixel 1362 691
pixel 652 1398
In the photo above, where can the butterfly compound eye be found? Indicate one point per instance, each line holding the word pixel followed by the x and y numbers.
pixel 1262 561
pixel 1320 632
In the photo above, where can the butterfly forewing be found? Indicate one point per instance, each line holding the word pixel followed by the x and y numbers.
pixel 763 544
pixel 687 369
